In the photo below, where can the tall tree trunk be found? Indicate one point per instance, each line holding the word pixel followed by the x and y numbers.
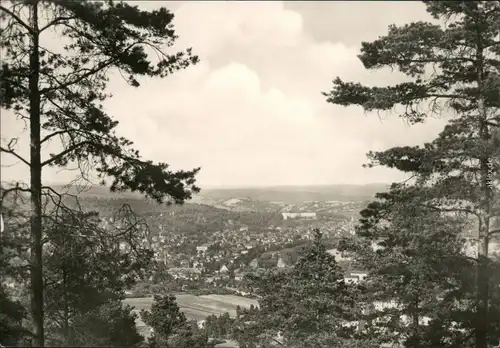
pixel 36 184
pixel 67 338
pixel 483 263
pixel 416 317
pixel 482 321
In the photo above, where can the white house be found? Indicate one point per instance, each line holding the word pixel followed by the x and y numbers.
pixel 281 263
pixel 351 280
pixel 201 248
pixel 360 274
pixel 305 216
pixel 337 254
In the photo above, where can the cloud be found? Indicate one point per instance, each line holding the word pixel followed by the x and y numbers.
pixel 211 27
pixel 251 113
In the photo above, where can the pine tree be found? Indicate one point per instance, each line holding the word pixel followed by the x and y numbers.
pixel 109 325
pixel 13 313
pixel 60 95
pixel 13 248
pixel 453 66
pixel 86 275
pixel 309 305
pixel 420 288
pixel 170 328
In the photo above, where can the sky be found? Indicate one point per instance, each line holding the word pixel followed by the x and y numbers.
pixel 251 112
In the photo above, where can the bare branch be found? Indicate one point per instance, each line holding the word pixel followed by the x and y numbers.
pixel 276 341
pixel 449 210
pixel 11 151
pixel 50 136
pixel 48 283
pixel 64 153
pixel 18 19
pixel 57 21
pixel 14 189
pixel 493 232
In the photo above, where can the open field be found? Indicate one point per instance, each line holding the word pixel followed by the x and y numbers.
pixel 197 307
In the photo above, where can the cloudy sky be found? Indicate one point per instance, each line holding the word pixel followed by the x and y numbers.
pixel 251 113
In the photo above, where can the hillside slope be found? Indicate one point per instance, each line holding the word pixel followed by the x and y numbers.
pixel 296 194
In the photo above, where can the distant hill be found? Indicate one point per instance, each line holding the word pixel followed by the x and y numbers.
pixel 296 194
pixel 95 191
pixel 285 194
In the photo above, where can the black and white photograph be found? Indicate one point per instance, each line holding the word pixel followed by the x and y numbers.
pixel 250 174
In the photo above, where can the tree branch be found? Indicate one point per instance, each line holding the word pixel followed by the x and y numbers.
pixel 12 189
pixel 18 19
pixel 493 232
pixel 57 21
pixel 50 136
pixel 64 153
pixel 90 72
pixel 276 341
pixel 13 153
pixel 449 210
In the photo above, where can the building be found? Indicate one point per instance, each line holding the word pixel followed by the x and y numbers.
pixel 339 255
pixel 360 275
pixel 303 216
pixel 201 248
pixel 184 273
pixel 355 277
pixel 281 263
pixel 254 263
pixel 351 280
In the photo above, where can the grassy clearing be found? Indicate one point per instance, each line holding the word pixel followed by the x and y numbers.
pixel 199 307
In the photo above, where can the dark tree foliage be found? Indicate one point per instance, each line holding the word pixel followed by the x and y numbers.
pixel 307 305
pixel 86 272
pixel 12 331
pixel 59 93
pixel 170 328
pixel 453 67
pixel 97 37
pixel 420 290
pixel 219 327
pixel 109 325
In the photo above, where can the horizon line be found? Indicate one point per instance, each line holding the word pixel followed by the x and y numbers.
pixel 233 187
pixel 242 186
